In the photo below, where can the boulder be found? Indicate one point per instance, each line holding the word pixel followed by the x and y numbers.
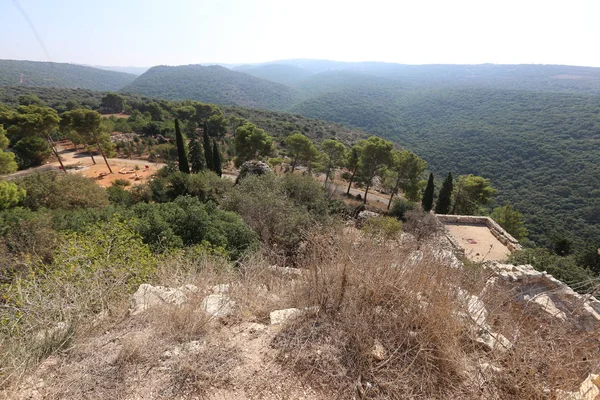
pixel 218 305
pixel 589 390
pixel 252 168
pixel 148 296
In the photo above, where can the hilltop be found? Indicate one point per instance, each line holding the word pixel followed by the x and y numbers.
pixel 212 84
pixel 62 75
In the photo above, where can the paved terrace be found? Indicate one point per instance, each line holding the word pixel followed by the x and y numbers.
pixel 479 238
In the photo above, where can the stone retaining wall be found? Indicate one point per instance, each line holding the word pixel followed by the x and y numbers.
pixel 499 233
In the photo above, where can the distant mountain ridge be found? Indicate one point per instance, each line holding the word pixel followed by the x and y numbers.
pixel 212 84
pixel 61 75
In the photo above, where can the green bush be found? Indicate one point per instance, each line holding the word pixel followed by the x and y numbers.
pixel 383 227
pixel 562 268
pixel 400 207
pixel 187 221
pixel 279 221
pixel 305 191
pixel 10 194
pixel 70 191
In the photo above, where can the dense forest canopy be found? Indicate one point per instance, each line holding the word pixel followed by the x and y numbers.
pixel 49 74
pixel 212 84
pixel 532 129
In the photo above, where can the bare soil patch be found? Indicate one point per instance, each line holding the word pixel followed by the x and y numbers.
pixel 478 242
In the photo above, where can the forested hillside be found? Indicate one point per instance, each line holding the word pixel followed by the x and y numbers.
pixel 539 149
pixel 49 74
pixel 213 84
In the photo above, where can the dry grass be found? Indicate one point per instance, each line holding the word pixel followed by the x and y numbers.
pixel 208 369
pixel 382 327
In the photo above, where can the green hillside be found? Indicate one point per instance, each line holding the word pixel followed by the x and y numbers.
pixel 49 74
pixel 541 150
pixel 280 73
pixel 213 84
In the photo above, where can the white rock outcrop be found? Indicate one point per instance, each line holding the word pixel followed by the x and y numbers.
pixel 148 296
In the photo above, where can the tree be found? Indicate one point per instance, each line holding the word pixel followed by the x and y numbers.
pixel 352 162
pixel 113 102
pixel 88 124
pixel 334 152
pixel 405 169
pixel 7 159
pixel 181 153
pixel 10 195
pixel 33 121
pixel 216 159
pixel 208 156
pixel 471 192
pixel 444 200
pixel 427 202
pixel 375 154
pixel 300 149
pixel 196 154
pixel 31 151
pixel 510 219
pixel 251 143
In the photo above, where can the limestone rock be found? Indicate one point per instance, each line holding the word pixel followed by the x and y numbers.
pixel 148 296
pixel 547 305
pixel 218 305
pixel 280 316
pixel 589 390
pixel 493 341
pixel 252 168
pixel 378 351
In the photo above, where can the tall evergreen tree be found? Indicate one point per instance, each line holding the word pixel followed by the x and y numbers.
pixel 196 154
pixel 445 196
pixel 427 201
pixel 181 156
pixel 207 149
pixel 216 159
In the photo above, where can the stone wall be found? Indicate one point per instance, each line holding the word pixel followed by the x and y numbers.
pixel 499 233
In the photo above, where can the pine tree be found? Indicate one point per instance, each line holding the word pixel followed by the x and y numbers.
pixel 207 149
pixel 196 154
pixel 427 201
pixel 445 196
pixel 216 159
pixel 181 156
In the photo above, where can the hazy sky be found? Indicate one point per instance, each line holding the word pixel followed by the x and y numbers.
pixel 173 32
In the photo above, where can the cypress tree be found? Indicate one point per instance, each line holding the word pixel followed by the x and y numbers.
pixel 216 159
pixel 196 154
pixel 427 201
pixel 445 196
pixel 207 149
pixel 181 156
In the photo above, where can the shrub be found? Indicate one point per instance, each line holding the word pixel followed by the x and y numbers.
pixel 121 182
pixel 383 227
pixel 305 191
pixel 400 207
pixel 421 224
pixel 118 195
pixel 187 221
pixel 562 268
pixel 278 220
pixel 70 191
pixel 10 194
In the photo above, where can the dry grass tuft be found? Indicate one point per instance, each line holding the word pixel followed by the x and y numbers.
pixel 207 369
pixel 383 326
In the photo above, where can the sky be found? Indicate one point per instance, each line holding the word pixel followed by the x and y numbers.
pixel 176 32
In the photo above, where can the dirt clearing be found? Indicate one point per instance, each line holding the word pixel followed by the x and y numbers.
pixel 478 242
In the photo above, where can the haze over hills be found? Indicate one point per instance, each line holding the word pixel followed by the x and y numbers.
pixel 213 84
pixel 49 74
